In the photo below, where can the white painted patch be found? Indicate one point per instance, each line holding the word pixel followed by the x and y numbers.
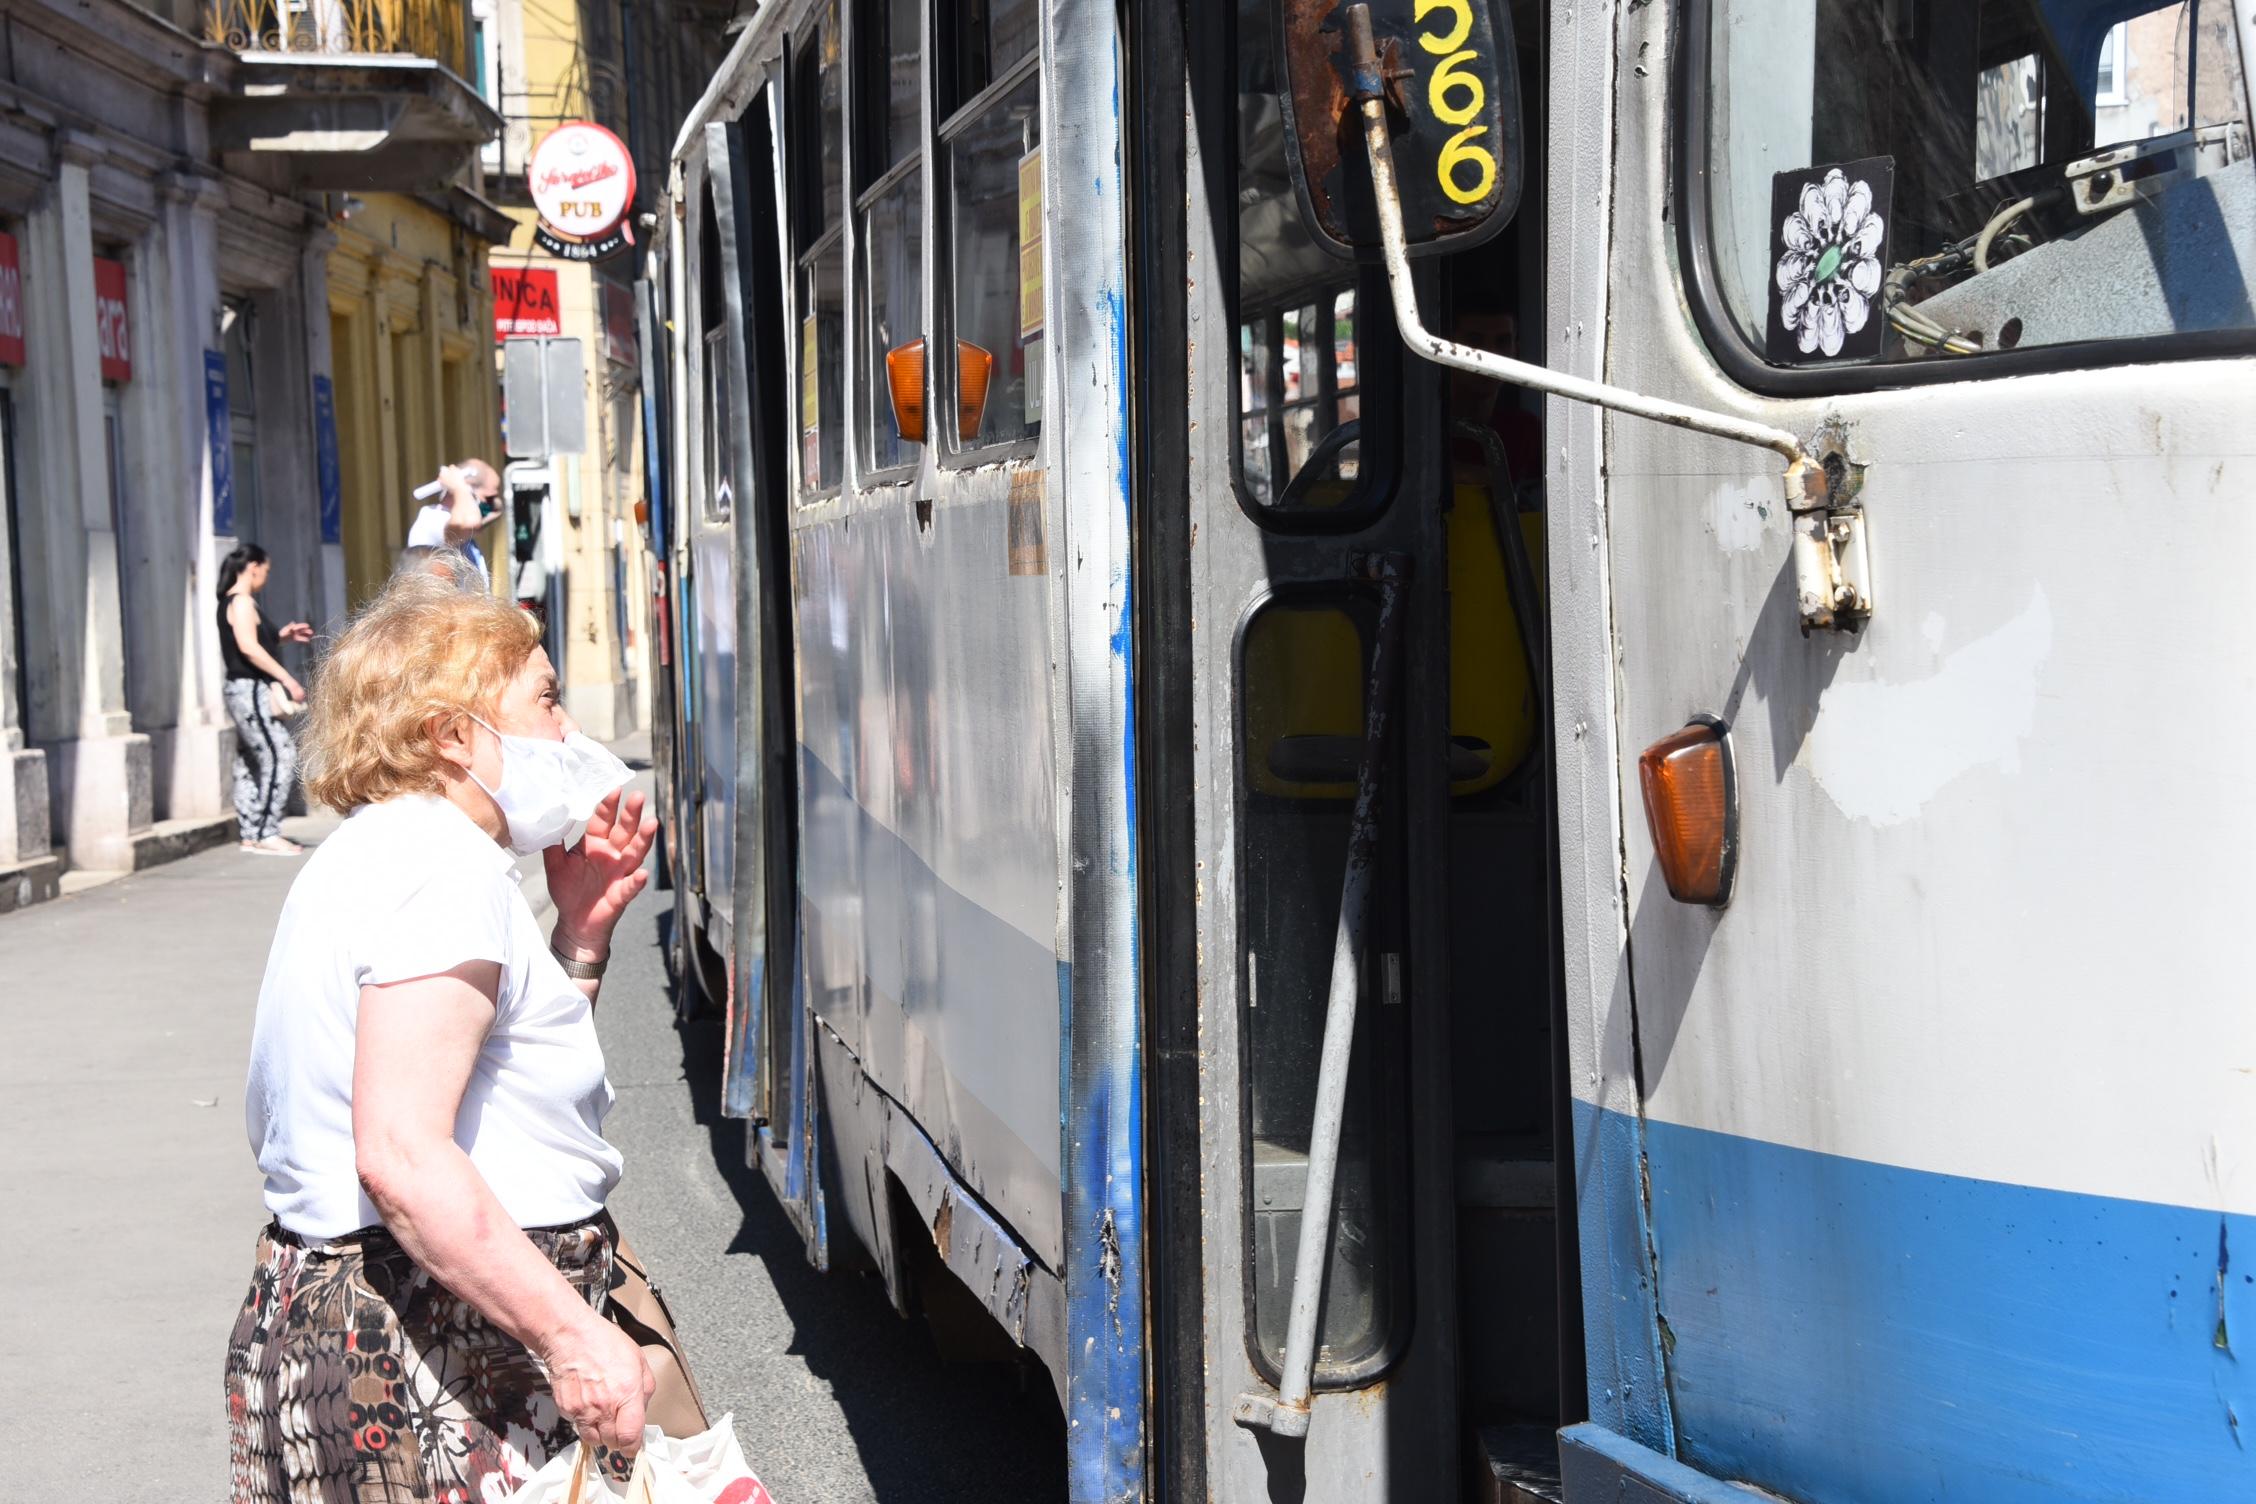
pixel 1738 515
pixel 1931 631
pixel 1881 751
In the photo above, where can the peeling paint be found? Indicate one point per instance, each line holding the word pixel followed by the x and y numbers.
pixel 1108 1263
pixel 1881 750
pixel 1738 514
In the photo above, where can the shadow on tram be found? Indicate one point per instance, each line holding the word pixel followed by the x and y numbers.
pixel 928 1429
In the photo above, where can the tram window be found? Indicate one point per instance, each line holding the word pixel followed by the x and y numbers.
pixel 818 140
pixel 715 431
pixel 994 178
pixel 1299 380
pixel 1296 385
pixel 1302 667
pixel 719 446
pixel 822 363
pixel 985 38
pixel 818 231
pixel 1896 184
pixel 888 110
pixel 889 93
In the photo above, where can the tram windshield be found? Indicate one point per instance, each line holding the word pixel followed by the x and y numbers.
pixel 1897 183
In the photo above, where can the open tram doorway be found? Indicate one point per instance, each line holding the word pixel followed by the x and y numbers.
pixel 1362 528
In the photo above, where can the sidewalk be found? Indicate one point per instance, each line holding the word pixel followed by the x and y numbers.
pixel 125 1024
pixel 125 1019
pixel 125 1028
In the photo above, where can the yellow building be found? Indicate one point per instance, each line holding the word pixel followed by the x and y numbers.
pixel 634 70
pixel 410 332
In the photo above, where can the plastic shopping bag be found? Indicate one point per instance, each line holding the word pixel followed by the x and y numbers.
pixel 704 1469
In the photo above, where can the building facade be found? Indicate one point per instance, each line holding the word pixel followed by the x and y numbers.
pixel 634 68
pixel 171 181
pixel 410 307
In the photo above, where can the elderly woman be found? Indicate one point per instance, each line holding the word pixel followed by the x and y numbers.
pixel 426 1090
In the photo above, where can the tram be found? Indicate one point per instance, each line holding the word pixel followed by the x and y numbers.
pixel 1490 751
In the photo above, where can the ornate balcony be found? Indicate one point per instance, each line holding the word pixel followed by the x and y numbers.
pixel 350 94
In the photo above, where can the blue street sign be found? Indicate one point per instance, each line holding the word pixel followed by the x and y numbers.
pixel 215 420
pixel 326 469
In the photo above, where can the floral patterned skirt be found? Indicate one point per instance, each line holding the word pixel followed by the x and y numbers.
pixel 354 1377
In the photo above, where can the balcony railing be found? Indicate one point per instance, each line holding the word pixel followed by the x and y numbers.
pixel 343 28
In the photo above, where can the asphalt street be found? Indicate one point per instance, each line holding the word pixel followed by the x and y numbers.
pixel 125 1017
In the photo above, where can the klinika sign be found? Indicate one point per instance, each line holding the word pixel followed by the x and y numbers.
pixel 583 184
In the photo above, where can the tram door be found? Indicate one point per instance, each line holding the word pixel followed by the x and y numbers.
pixel 750 452
pixel 1372 827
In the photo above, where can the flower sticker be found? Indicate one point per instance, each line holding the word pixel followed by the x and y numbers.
pixel 1828 258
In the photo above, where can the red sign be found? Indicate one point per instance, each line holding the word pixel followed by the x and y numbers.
pixel 11 304
pixel 525 305
pixel 110 328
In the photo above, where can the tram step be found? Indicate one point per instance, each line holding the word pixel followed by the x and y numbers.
pixel 1520 1465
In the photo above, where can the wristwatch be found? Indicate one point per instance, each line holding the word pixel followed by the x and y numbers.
pixel 576 969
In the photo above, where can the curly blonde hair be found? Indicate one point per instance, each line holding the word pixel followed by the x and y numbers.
pixel 425 648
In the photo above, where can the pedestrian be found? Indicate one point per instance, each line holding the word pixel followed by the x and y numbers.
pixel 427 1093
pixel 266 758
pixel 471 492
pixel 449 564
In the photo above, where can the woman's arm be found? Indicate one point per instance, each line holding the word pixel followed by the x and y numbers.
pixel 417 1043
pixel 242 620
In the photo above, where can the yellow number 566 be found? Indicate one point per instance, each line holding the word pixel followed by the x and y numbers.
pixel 1457 96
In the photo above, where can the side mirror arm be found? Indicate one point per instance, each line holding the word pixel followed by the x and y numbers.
pixel 1830 555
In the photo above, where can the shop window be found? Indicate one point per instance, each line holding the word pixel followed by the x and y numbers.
pixel 240 335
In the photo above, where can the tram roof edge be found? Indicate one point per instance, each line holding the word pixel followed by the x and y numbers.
pixel 768 19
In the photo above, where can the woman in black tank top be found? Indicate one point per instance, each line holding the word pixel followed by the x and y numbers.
pixel 266 758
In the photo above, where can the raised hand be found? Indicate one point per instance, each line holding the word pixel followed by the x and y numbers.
pixel 592 883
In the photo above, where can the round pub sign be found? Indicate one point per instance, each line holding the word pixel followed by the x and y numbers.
pixel 583 184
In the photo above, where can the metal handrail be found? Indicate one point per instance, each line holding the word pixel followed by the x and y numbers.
pixel 343 28
pixel 1287 1412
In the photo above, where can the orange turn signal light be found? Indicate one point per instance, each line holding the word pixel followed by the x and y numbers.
pixel 904 380
pixel 1692 809
pixel 904 376
pixel 973 367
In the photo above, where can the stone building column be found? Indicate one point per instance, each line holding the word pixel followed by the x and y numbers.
pixel 98 767
pixel 193 759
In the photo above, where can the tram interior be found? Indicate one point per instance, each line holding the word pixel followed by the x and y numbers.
pixel 1320 417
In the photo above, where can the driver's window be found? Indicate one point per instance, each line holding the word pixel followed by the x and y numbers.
pixel 1941 182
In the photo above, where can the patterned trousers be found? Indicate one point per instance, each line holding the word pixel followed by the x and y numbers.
pixel 355 1378
pixel 266 759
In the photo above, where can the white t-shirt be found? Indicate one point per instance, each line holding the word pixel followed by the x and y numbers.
pixel 429 530
pixel 409 888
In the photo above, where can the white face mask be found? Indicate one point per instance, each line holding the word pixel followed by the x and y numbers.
pixel 549 789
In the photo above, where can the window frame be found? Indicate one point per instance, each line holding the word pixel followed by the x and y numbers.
pixel 1685 122
pixel 1324 298
pixel 802 102
pixel 871 398
pixel 940 374
pixel 1388 1049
